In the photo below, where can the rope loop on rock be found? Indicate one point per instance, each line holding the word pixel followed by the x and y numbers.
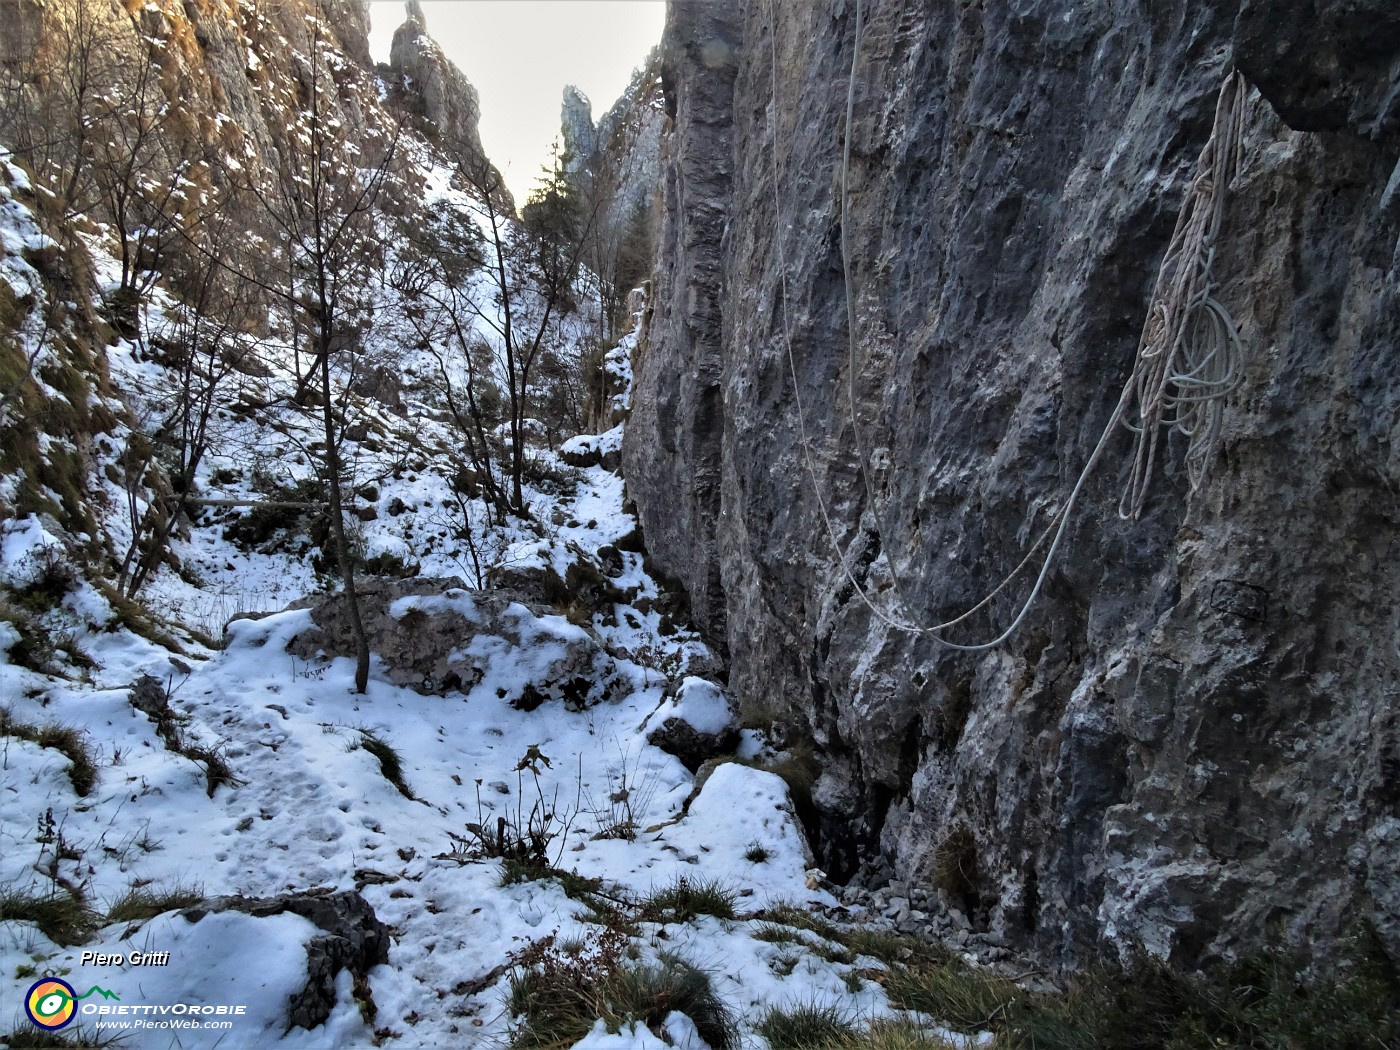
pixel 1190 355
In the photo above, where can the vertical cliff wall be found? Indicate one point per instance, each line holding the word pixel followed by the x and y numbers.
pixel 672 455
pixel 1191 743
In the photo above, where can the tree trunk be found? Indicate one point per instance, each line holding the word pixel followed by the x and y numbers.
pixel 342 547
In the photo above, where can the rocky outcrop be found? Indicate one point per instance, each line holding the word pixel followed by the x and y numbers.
pixel 627 143
pixel 620 155
pixel 576 126
pixel 695 723
pixel 436 636
pixel 614 168
pixel 352 937
pixel 437 90
pixel 1190 743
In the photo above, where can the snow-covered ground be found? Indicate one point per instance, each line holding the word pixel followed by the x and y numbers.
pixel 312 810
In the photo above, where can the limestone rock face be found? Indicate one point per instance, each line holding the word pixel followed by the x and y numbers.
pixel 446 98
pixel 1325 65
pixel 615 168
pixel 673 440
pixel 627 145
pixel 576 123
pixel 1191 742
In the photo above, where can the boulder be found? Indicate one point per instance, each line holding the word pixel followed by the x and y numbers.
pixel 152 699
pixel 594 450
pixel 435 635
pixel 695 724
pixel 352 938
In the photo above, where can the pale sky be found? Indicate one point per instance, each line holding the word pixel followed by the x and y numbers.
pixel 519 54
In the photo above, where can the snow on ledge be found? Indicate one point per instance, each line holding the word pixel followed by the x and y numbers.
pixel 608 441
pixel 699 704
pixel 455 600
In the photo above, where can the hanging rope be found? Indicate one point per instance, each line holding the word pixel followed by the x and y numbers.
pixel 1202 367
pixel 1190 354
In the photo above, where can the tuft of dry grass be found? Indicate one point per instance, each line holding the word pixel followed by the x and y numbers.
pixel 390 762
pixel 559 990
pixel 146 902
pixel 217 772
pixel 686 899
pixel 62 916
pixel 67 740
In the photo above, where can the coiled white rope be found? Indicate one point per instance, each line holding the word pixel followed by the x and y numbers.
pixel 1190 356
pixel 1199 370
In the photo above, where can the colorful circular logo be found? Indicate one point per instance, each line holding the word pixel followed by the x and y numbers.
pixel 49 1003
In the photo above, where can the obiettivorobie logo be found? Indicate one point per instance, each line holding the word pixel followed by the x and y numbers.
pixel 52 1003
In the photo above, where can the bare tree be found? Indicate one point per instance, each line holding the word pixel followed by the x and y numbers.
pixel 137 177
pixel 49 72
pixel 57 66
pixel 533 266
pixel 83 107
pixel 24 64
pixel 322 209
pixel 432 274
pixel 207 347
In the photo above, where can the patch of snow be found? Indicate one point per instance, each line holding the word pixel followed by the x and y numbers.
pixel 699 704
pixel 455 600
pixel 25 547
pixel 608 441
pixel 630 1037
